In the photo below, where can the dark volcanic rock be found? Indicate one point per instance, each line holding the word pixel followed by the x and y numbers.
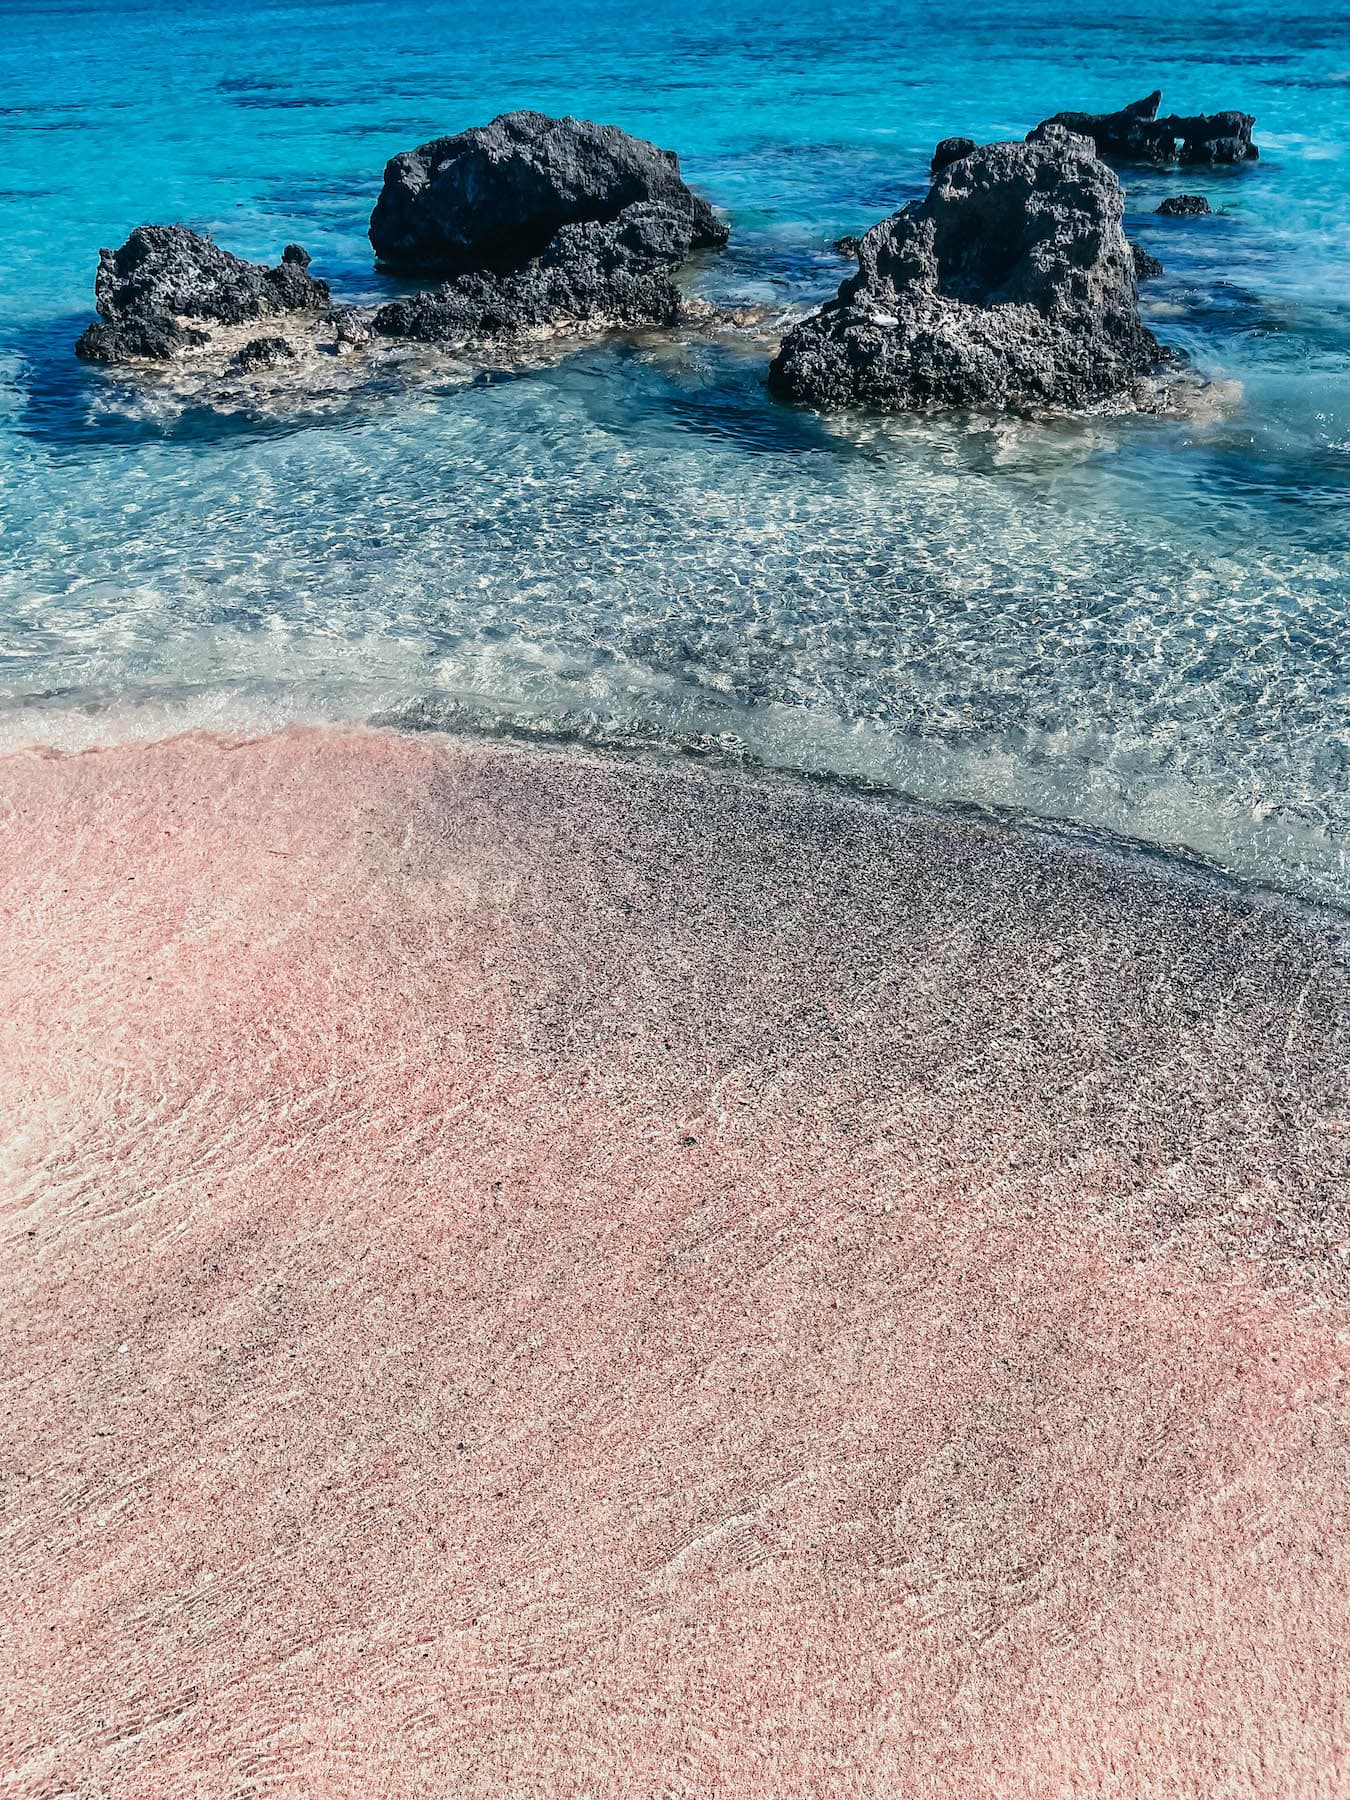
pixel 167 269
pixel 951 150
pixel 492 197
pixel 262 353
pixel 1184 206
pixel 1146 267
pixel 151 339
pixel 1010 285
pixel 1137 134
pixel 1130 134
pixel 164 274
pixel 1215 137
pixel 847 246
pixel 351 328
pixel 590 275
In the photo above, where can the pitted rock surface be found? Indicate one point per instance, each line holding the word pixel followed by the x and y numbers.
pixel 165 274
pixel 1137 134
pixel 1011 285
pixel 491 198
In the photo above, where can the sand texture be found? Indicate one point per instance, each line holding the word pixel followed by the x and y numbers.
pixel 536 1275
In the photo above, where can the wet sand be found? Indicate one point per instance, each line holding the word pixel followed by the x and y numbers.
pixel 529 1274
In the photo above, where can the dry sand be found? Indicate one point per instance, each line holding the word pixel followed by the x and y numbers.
pixel 534 1275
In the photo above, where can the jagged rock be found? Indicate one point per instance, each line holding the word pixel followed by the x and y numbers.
pixel 262 353
pixel 847 246
pixel 1146 267
pixel 1184 206
pixel 154 339
pixel 1131 135
pixel 490 199
pixel 351 329
pixel 1137 134
pixel 1214 137
pixel 167 269
pixel 165 274
pixel 951 150
pixel 1010 285
pixel 589 275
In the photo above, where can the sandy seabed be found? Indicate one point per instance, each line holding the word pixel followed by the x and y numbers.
pixel 531 1274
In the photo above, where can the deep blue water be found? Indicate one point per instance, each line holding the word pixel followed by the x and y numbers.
pixel 1130 623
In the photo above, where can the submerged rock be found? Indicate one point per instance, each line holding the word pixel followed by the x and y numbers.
pixel 951 150
pixel 1010 285
pixel 1146 267
pixel 490 199
pixel 165 274
pixel 262 353
pixel 1137 134
pixel 1184 206
pixel 589 276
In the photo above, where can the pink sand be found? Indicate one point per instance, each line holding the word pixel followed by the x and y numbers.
pixel 531 1275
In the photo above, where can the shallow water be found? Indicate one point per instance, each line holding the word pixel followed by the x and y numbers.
pixel 1131 624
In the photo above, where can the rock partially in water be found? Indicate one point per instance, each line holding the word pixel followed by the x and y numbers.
pixel 1130 135
pixel 151 339
pixel 1184 206
pixel 951 150
pixel 1146 267
pixel 165 275
pixel 1137 134
pixel 491 198
pixel 262 353
pixel 590 276
pixel 543 225
pixel 847 246
pixel 351 326
pixel 1010 285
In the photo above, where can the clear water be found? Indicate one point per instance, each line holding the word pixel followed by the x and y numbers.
pixel 1133 624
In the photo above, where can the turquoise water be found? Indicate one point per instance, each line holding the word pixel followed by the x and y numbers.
pixel 1138 625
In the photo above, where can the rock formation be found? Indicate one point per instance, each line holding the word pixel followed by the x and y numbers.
pixel 590 276
pixel 542 226
pixel 1184 206
pixel 951 150
pixel 1010 285
pixel 148 339
pixel 491 198
pixel 261 353
pixel 1137 134
pixel 1146 267
pixel 166 276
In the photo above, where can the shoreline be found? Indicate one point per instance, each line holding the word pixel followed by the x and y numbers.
pixel 492 729
pixel 674 905
pixel 536 1271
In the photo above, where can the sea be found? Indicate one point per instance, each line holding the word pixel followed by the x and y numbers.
pixel 1136 626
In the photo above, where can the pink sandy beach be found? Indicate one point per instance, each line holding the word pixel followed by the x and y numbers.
pixel 534 1275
